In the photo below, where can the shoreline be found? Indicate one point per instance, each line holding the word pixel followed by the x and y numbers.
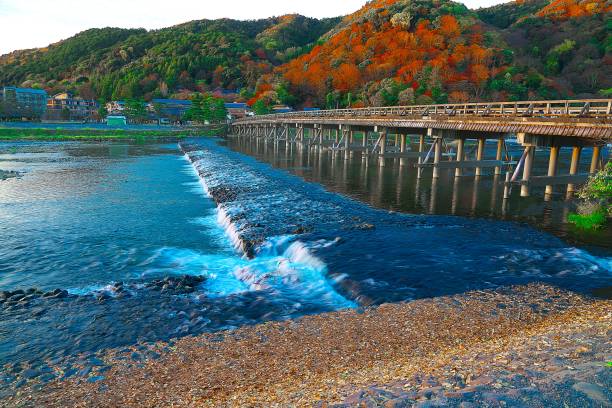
pixel 111 134
pixel 330 358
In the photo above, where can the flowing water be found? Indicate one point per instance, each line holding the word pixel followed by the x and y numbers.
pixel 119 226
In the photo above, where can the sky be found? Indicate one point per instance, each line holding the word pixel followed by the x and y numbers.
pixel 38 23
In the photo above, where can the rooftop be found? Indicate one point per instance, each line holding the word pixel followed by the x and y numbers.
pixel 29 90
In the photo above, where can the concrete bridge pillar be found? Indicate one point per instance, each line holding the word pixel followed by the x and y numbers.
pixel 595 159
pixel 499 155
pixel 420 159
pixel 576 151
pixel 552 167
pixel 403 161
pixel 527 169
pixel 383 146
pixel 460 156
pixel 480 154
pixel 437 156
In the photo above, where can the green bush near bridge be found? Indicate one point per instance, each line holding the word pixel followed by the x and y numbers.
pixel 596 209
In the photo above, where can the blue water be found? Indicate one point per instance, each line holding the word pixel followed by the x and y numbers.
pixel 83 217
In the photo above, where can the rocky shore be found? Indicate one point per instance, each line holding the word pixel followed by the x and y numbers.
pixel 529 345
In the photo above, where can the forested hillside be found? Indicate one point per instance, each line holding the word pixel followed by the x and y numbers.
pixel 200 55
pixel 388 52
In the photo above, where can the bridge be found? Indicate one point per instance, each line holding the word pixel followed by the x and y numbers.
pixel 442 132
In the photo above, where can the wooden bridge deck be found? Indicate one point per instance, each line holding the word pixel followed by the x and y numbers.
pixel 550 124
pixel 588 118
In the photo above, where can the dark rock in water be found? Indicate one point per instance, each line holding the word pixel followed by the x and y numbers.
pixel 16 297
pixel 30 373
pixel 223 194
pixel 301 230
pixel 365 226
pixel 6 174
pixel 56 294
pixel 118 287
pixel 176 285
pixel 30 297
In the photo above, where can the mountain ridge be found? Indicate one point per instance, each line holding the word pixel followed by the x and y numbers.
pixel 400 51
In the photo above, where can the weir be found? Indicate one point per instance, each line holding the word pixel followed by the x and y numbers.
pixel 446 131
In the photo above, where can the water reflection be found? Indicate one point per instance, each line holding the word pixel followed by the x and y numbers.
pixel 400 186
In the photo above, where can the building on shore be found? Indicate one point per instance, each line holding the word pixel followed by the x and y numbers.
pixel 116 120
pixel 237 110
pixel 115 107
pixel 23 102
pixel 173 109
pixel 281 109
pixel 65 106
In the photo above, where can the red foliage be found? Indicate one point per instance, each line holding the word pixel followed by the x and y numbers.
pixel 364 52
pixel 565 9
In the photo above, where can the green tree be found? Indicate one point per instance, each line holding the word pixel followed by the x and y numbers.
pixel 102 111
pixel 135 109
pixel 261 108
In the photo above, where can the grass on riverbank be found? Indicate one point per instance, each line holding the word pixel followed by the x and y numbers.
pixel 105 134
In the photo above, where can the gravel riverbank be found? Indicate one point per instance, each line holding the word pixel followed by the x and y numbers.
pixel 529 345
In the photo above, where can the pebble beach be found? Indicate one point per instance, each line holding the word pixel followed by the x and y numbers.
pixel 532 345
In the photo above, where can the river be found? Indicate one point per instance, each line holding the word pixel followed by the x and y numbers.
pixel 119 226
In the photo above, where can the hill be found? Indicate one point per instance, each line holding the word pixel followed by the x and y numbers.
pixel 425 51
pixel 566 44
pixel 388 52
pixel 200 55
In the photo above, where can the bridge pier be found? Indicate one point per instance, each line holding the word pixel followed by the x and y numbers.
pixel 576 152
pixel 499 154
pixel 527 169
pixel 437 156
pixel 383 146
pixel 460 156
pixel 595 159
pixel 552 167
pixel 403 161
pixel 480 154
pixel 420 160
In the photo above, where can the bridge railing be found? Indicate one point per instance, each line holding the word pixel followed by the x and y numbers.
pixel 581 108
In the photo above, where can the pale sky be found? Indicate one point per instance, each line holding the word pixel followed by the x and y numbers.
pixel 38 23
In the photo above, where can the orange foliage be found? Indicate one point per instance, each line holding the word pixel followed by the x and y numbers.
pixel 565 9
pixel 449 26
pixel 346 78
pixel 364 52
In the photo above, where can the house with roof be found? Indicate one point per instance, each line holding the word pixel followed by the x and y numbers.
pixel 65 106
pixel 115 107
pixel 170 108
pixel 281 109
pixel 237 110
